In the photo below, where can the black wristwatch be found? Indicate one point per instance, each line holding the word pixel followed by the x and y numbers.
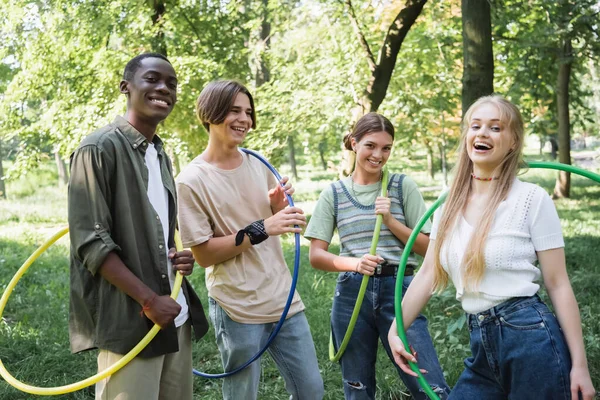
pixel 256 232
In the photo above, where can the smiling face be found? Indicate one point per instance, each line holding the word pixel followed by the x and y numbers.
pixel 488 139
pixel 372 151
pixel 152 92
pixel 237 123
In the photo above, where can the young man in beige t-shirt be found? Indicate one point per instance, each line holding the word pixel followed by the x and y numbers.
pixel 231 212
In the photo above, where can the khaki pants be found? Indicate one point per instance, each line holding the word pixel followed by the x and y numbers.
pixel 164 377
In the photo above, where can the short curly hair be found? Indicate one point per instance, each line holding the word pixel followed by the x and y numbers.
pixel 136 62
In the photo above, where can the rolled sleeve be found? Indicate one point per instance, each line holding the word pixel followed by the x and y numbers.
pixel 90 219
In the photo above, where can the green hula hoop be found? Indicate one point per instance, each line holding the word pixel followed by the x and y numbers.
pixel 333 356
pixel 411 240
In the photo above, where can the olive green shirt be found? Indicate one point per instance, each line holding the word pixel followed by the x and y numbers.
pixel 109 211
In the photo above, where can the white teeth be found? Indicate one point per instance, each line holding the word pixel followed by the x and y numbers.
pixel 158 101
pixel 238 129
pixel 481 146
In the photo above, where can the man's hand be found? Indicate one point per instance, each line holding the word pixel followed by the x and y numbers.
pixel 284 221
pixel 277 196
pixel 183 261
pixel 161 310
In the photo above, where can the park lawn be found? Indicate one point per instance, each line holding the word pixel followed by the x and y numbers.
pixel 34 335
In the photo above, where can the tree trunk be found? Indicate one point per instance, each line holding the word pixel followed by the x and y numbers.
pixel 478 57
pixel 2 186
pixel 263 73
pixel 158 41
pixel 553 147
pixel 430 161
pixel 382 70
pixel 63 175
pixel 382 73
pixel 292 155
pixel 563 182
pixel 442 149
pixel 322 156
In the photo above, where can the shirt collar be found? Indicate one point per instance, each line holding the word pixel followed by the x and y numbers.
pixel 134 137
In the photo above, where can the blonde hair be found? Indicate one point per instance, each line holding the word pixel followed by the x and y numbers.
pixel 473 264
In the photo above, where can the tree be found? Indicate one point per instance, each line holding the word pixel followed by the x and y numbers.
pixel 563 182
pixel 478 66
pixel 544 43
pixel 380 70
pixel 424 94
pixel 69 58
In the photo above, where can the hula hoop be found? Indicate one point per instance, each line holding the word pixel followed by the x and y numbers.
pixel 402 266
pixel 288 303
pixel 333 356
pixel 50 391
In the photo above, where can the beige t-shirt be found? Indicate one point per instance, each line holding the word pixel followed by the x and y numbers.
pixel 253 286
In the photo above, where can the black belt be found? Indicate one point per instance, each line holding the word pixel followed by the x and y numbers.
pixel 386 269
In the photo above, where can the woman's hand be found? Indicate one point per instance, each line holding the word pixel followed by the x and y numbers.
pixel 366 264
pixel 581 382
pixel 401 356
pixel 382 207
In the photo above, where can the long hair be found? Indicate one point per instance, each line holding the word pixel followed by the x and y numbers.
pixel 473 264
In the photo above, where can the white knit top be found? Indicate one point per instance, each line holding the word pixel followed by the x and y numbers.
pixel 525 222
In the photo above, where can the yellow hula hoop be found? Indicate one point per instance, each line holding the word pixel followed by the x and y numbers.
pixel 50 391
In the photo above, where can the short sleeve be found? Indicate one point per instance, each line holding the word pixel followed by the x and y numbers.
pixel 322 222
pixel 271 179
pixel 545 229
pixel 414 205
pixel 90 219
pixel 195 225
pixel 437 216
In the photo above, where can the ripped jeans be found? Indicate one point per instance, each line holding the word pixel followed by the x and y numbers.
pixel 374 321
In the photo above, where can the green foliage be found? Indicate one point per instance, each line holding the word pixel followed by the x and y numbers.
pixel 529 36
pixel 61 62
pixel 68 59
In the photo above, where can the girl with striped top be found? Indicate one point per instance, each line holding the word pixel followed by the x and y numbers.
pixel 351 206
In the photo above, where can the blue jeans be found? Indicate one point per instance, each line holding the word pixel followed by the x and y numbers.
pixel 518 353
pixel 292 350
pixel 374 321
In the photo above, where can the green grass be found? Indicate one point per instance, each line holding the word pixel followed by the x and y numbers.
pixel 34 342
